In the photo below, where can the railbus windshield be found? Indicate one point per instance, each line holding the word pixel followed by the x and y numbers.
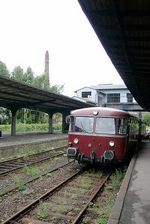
pixel 105 125
pixel 101 125
pixel 82 124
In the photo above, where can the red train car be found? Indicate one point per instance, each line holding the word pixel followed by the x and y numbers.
pixel 102 135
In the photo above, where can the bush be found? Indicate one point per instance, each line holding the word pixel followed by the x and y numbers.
pixel 30 127
pixel 5 128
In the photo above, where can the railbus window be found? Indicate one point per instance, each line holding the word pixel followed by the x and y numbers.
pixel 123 126
pixel 84 124
pixel 105 125
pixel 134 126
pixel 71 124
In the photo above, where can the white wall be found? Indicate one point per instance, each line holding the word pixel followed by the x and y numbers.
pixel 94 94
pixel 122 92
pixel 93 97
pixel 123 98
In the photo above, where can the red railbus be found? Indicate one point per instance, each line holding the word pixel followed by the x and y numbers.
pixel 102 135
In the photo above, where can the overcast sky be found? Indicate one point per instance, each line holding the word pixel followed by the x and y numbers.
pixel 77 59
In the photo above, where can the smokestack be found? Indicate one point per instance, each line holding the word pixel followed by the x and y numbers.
pixel 46 71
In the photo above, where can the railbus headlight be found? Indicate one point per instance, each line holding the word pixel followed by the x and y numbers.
pixel 111 143
pixel 95 112
pixel 76 141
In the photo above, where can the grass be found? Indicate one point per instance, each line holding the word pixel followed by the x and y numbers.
pixel 37 170
pixel 86 182
pixel 19 183
pixel 45 168
pixel 102 220
pixel 107 198
pixel 105 210
pixel 92 209
pixel 63 209
pixel 116 178
pixel 42 211
pixel 31 171
pixel 71 195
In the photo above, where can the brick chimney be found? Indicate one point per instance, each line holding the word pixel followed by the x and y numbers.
pixel 46 71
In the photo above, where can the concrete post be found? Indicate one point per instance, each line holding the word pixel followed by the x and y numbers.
pixel 50 123
pixel 13 123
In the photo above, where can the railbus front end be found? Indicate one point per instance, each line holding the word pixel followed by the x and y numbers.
pixel 99 135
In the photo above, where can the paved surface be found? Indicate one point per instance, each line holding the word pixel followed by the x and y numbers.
pixel 21 139
pixel 135 189
pixel 136 208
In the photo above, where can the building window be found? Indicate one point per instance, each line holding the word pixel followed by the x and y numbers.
pixel 113 98
pixel 86 94
pixel 129 98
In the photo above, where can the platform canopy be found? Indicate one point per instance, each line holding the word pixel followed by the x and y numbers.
pixel 123 28
pixel 15 95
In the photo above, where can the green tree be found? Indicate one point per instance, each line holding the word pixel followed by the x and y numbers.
pixel 56 89
pixel 146 118
pixel 41 82
pixel 5 116
pixel 3 70
pixel 28 76
pixel 18 74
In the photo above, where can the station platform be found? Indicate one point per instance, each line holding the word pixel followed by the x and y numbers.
pixel 31 138
pixel 133 202
pixel 22 143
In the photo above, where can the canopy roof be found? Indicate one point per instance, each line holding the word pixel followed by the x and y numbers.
pixel 15 95
pixel 123 27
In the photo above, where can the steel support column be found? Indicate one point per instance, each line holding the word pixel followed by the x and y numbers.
pixel 13 123
pixel 50 123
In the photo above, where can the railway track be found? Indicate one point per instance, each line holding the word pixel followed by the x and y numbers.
pixel 64 203
pixel 14 187
pixel 14 164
